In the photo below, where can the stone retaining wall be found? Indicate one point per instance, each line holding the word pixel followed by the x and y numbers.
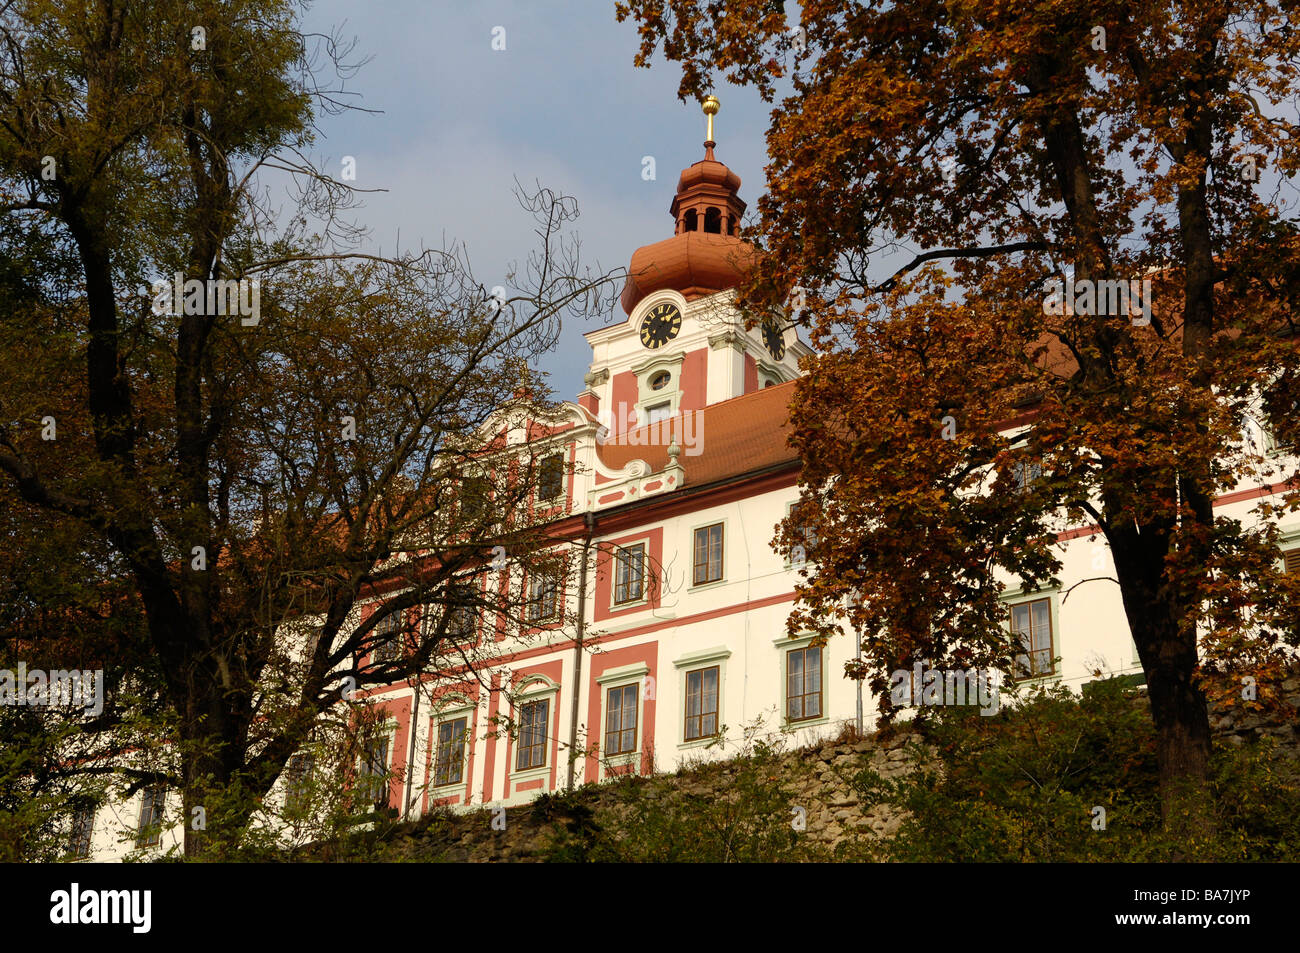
pixel 817 780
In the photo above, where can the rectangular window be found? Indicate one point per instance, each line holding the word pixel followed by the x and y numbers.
pixel 532 735
pixel 1032 621
pixel 620 719
pixel 83 826
pixel 475 498
pixel 462 612
pixel 629 574
pixel 374 772
pixel 449 758
pixel 387 639
pixel 805 533
pixel 806 530
pixel 1026 474
pixel 708 554
pixel 803 684
pixel 298 776
pixel 702 703
pixel 657 413
pixel 1291 560
pixel 550 477
pixel 149 829
pixel 543 593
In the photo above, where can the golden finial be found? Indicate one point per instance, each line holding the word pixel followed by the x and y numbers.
pixel 710 107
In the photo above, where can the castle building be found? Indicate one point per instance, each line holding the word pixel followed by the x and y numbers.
pixel 680 473
pixel 671 643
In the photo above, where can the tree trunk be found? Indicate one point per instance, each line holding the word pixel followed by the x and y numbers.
pixel 1167 650
pixel 216 808
pixel 1182 725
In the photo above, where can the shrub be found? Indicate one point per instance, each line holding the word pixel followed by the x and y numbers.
pixel 1025 785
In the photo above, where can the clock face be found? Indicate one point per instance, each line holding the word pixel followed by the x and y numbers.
pixel 660 325
pixel 773 339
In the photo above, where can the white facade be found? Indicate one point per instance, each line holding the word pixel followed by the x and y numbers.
pixel 651 655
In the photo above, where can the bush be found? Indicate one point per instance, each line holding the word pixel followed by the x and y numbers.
pixel 655 820
pixel 1025 785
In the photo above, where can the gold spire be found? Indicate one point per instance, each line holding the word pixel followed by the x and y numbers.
pixel 710 107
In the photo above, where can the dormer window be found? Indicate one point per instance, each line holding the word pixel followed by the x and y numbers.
pixel 658 388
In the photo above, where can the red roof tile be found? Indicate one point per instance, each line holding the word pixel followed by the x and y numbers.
pixel 734 437
pixel 695 263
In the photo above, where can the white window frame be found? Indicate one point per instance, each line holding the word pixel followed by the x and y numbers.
pixel 141 827
pixel 1288 538
pixel 655 413
pixel 621 677
pixel 1268 445
pixel 93 810
pixel 647 369
pixel 726 535
pixel 546 454
pixel 392 626
pixel 645 575
pixel 784 646
pixel 453 708
pixel 385 731
pixel 1019 596
pixel 788 563
pixel 691 662
pixel 535 688
pixel 557 613
pixel 426 625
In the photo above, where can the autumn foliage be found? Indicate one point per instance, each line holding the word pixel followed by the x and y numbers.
pixel 932 166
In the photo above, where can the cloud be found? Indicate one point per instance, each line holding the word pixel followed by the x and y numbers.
pixel 562 105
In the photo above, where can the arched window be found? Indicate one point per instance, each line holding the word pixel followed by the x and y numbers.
pixel 692 220
pixel 713 221
pixel 731 225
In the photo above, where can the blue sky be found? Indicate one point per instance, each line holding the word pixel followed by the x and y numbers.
pixel 562 104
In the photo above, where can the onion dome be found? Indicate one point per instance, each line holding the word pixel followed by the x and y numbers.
pixel 705 254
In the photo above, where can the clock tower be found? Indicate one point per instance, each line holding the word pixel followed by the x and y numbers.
pixel 683 345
